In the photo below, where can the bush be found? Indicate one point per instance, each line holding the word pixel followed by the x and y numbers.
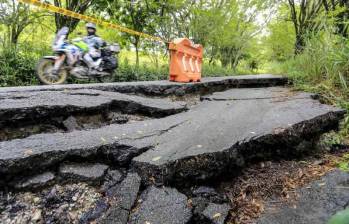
pixel 17 69
pixel 323 68
pixel 148 72
pixel 215 70
pixel 127 72
pixel 324 60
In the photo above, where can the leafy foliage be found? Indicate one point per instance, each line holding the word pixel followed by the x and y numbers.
pixel 340 217
pixel 16 69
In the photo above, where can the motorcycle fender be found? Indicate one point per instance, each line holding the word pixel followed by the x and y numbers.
pixel 51 57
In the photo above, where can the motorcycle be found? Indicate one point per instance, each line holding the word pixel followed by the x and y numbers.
pixel 68 60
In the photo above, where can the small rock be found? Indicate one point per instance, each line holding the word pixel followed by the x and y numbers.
pixel 318 162
pixel 36 181
pixel 216 213
pixel 71 124
pixel 52 197
pixel 117 118
pixel 83 172
pixel 37 216
pixel 36 199
pixel 162 205
pixel 73 215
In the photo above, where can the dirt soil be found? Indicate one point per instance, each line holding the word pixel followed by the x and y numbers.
pixel 58 204
pixel 273 182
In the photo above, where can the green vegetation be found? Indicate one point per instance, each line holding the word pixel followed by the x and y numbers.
pixel 306 39
pixel 229 35
pixel 341 217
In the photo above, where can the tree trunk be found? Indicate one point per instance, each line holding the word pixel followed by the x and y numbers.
pixel 136 44
pixel 78 6
pixel 14 40
pixel 235 62
pixel 15 32
pixel 303 15
pixel 299 44
pixel 137 57
pixel 225 56
pixel 62 21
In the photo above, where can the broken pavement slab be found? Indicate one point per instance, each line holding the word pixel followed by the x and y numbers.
pixel 166 88
pixel 274 93
pixel 209 206
pixel 116 143
pixel 74 172
pixel 317 202
pixel 33 106
pixel 121 199
pixel 223 132
pixel 112 178
pixel 36 182
pixel 162 205
pixel 209 139
pixel 221 135
pixel 126 192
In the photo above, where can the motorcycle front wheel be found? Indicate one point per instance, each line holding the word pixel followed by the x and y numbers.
pixel 44 72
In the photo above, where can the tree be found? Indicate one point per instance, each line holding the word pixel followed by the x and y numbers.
pixel 303 16
pixel 279 43
pixel 79 6
pixel 136 15
pixel 16 17
pixel 241 28
pixel 340 10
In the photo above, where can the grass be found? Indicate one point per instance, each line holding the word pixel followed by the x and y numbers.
pixel 322 68
pixel 17 66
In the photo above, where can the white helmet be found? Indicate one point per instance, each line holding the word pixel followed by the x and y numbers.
pixel 91 26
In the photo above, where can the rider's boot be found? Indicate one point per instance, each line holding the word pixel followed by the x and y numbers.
pixel 92 65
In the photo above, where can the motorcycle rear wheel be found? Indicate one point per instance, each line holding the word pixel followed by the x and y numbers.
pixel 44 73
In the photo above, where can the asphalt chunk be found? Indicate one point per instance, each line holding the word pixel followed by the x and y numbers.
pixel 162 205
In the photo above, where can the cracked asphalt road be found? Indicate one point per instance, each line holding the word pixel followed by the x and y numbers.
pixel 200 143
pixel 178 143
pixel 31 106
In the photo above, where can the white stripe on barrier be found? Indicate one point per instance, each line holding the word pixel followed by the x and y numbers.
pixel 197 65
pixel 184 63
pixel 191 64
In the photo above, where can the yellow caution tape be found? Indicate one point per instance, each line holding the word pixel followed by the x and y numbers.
pixel 75 15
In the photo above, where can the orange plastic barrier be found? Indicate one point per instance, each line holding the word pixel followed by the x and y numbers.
pixel 186 61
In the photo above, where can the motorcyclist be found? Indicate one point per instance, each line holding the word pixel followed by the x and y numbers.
pixel 60 44
pixel 94 43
